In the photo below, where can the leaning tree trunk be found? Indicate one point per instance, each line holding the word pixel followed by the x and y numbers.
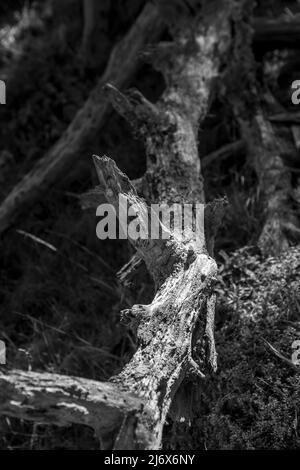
pixel 182 266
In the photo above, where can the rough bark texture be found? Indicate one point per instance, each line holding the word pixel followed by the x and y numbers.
pixel 183 271
pixel 61 400
pixel 175 331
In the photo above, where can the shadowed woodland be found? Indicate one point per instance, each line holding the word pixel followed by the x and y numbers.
pixel 119 344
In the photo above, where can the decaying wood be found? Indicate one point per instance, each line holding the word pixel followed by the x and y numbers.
pixel 183 271
pixel 175 331
pixel 62 400
pixel 87 122
pixel 184 275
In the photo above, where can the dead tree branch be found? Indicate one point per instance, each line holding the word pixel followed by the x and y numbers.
pixel 182 310
pixel 62 400
pixel 183 271
pixel 88 121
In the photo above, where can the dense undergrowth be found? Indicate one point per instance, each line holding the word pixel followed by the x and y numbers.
pixel 253 401
pixel 59 296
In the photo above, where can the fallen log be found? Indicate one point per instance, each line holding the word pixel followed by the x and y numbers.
pixel 62 400
pixel 175 331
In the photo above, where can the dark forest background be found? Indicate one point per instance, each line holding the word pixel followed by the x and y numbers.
pixel 59 295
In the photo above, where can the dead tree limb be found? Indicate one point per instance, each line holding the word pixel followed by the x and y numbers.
pixel 182 269
pixel 87 122
pixel 175 331
pixel 62 400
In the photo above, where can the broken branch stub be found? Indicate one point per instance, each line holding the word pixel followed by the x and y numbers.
pixel 183 270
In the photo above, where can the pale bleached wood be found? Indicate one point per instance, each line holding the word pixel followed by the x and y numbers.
pixel 183 269
pixel 61 400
